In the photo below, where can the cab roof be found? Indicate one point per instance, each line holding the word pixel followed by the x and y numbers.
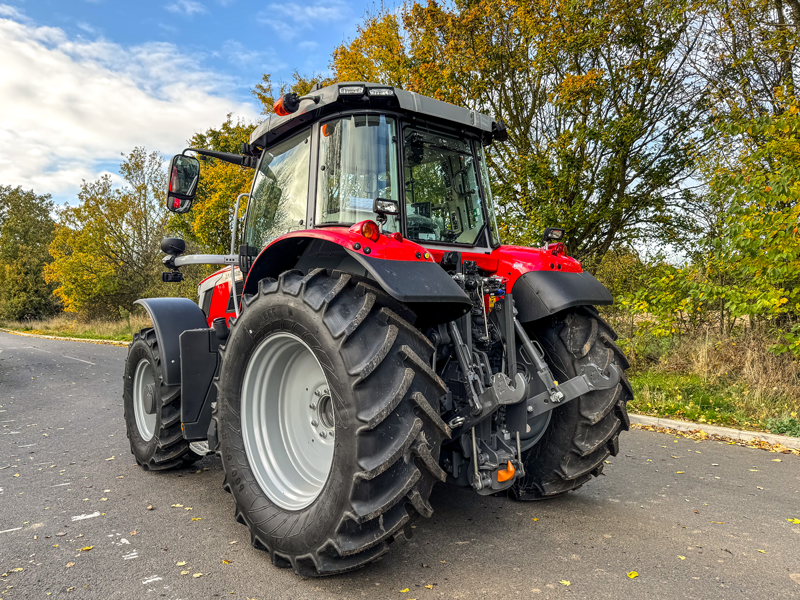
pixel 360 94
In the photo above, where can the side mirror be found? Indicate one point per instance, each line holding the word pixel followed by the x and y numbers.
pixel 184 174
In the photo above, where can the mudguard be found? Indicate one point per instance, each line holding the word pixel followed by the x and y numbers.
pixel 538 294
pixel 419 283
pixel 171 317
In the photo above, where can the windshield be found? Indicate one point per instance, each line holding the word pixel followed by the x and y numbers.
pixel 443 203
pixel 278 202
pixel 358 163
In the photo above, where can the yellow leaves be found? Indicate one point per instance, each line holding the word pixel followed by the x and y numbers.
pixel 679 472
pixel 776 460
pixel 564 582
pixel 16 474
pixel 225 562
pixel 180 564
pixel 633 575
pixel 184 572
pixel 405 591
pixel 196 518
pixel 718 522
pixel 70 564
pixel 794 521
pixel 85 548
pixel 534 519
pixel 681 557
pixel 176 506
pixel 112 458
pixel 762 551
pixel 429 586
pixel 196 575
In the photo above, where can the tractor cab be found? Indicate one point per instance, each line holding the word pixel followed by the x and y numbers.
pixel 341 148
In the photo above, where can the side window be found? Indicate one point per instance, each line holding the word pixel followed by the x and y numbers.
pixel 280 192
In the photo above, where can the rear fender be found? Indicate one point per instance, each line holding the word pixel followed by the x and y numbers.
pixel 538 294
pixel 400 268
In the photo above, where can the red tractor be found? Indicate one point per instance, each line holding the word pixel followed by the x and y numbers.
pixel 371 336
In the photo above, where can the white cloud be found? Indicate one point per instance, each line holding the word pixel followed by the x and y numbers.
pixel 70 106
pixel 186 7
pixel 290 19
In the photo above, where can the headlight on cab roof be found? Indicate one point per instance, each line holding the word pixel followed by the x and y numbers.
pixel 380 92
pixel 351 90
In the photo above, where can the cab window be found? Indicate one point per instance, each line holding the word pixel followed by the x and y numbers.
pixel 280 191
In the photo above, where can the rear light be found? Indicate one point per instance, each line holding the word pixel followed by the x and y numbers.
pixel 370 230
pixel 351 90
pixel 398 237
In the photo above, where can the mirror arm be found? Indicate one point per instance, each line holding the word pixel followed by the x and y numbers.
pixel 206 259
pixel 236 159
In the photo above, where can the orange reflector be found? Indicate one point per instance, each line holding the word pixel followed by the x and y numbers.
pixel 506 474
pixel 369 230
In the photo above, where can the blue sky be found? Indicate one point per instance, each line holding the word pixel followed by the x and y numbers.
pixel 84 80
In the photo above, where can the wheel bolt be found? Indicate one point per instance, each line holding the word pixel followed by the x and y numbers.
pixel 325 391
pixel 314 422
pixel 322 434
pixel 317 393
pixel 530 409
pixel 312 406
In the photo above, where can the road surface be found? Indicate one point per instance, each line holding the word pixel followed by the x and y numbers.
pixel 693 519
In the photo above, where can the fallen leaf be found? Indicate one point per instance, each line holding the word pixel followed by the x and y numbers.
pixel 188 508
pixel 61 534
pixel 17 570
pixel 718 522
pixel 404 591
pixel 225 562
pixel 177 506
pixel 150 507
pixel 134 532
pixel 753 470
pixel 85 548
pixel 681 557
pixel 196 575
pixel 184 572
pixel 112 458
pixel 429 586
pixel 534 519
pixel 564 582
pixel 180 564
pixel 443 561
pixel 16 474
pixel 794 521
pixel 196 518
pixel 776 460
pixel 233 542
pixel 70 565
pixel 103 499
pixel 633 575
pixel 762 551
pixel 679 472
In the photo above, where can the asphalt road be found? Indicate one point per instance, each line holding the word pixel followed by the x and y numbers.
pixel 694 519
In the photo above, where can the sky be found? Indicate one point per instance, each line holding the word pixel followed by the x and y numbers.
pixel 82 81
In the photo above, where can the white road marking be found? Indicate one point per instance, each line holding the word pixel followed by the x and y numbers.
pixel 84 517
pixel 151 579
pixel 60 484
pixel 8 421
pixel 80 359
pixel 39 349
pixel 26 446
pixel 9 530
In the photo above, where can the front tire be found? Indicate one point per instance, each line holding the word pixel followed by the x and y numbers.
pixel 585 431
pixel 358 344
pixel 156 439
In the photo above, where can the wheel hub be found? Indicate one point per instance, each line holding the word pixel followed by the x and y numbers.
pixel 288 421
pixel 144 392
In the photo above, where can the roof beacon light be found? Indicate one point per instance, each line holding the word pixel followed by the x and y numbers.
pixel 380 92
pixel 351 90
pixel 286 104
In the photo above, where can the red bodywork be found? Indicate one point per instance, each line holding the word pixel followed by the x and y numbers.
pixel 509 262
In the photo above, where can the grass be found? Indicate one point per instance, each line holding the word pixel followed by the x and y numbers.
pixel 727 403
pixel 730 381
pixel 64 325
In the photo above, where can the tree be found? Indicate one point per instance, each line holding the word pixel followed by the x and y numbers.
pixel 106 250
pixel 602 107
pixel 26 229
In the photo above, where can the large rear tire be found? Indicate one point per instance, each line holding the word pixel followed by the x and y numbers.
pixel 156 439
pixel 338 511
pixel 585 431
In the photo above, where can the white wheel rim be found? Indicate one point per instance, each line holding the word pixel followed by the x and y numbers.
pixel 288 421
pixel 144 383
